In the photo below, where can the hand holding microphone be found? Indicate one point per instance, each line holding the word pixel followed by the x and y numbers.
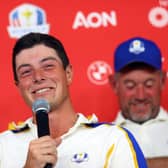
pixel 41 108
pixel 42 150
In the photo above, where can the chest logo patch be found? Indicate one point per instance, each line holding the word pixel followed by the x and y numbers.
pixel 80 157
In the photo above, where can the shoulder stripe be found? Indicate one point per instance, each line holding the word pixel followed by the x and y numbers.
pixel 139 161
pixel 93 125
pixel 18 129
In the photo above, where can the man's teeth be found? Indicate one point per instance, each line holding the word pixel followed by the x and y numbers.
pixel 42 90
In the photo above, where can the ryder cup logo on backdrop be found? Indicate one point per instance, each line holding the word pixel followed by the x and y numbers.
pixel 98 72
pixel 27 18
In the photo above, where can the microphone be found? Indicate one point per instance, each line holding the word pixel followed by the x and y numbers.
pixel 41 108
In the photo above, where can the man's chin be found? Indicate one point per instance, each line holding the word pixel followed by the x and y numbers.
pixel 140 119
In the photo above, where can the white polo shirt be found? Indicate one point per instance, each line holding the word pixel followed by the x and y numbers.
pixel 152 135
pixel 86 145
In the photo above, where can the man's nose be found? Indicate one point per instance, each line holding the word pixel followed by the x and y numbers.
pixel 38 76
pixel 140 92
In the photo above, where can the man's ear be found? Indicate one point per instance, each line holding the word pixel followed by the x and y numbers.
pixel 113 82
pixel 69 74
pixel 16 83
pixel 164 79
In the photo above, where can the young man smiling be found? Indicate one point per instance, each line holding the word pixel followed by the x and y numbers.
pixel 42 70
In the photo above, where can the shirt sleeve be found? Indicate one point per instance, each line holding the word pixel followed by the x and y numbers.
pixel 127 153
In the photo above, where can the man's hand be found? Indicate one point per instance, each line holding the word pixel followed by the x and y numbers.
pixel 42 151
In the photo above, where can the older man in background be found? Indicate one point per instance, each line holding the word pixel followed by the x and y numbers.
pixel 138 82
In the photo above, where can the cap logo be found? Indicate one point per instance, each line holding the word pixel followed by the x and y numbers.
pixel 136 47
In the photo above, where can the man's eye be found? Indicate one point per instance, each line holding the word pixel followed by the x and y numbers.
pixel 149 83
pixel 48 66
pixel 130 85
pixel 25 73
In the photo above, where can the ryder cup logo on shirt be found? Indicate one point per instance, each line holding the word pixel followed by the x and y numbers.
pixel 98 72
pixel 136 47
pixel 80 157
pixel 27 18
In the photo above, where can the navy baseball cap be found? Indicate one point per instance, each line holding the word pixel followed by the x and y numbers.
pixel 136 50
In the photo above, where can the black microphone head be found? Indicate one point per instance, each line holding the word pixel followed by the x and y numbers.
pixel 40 104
